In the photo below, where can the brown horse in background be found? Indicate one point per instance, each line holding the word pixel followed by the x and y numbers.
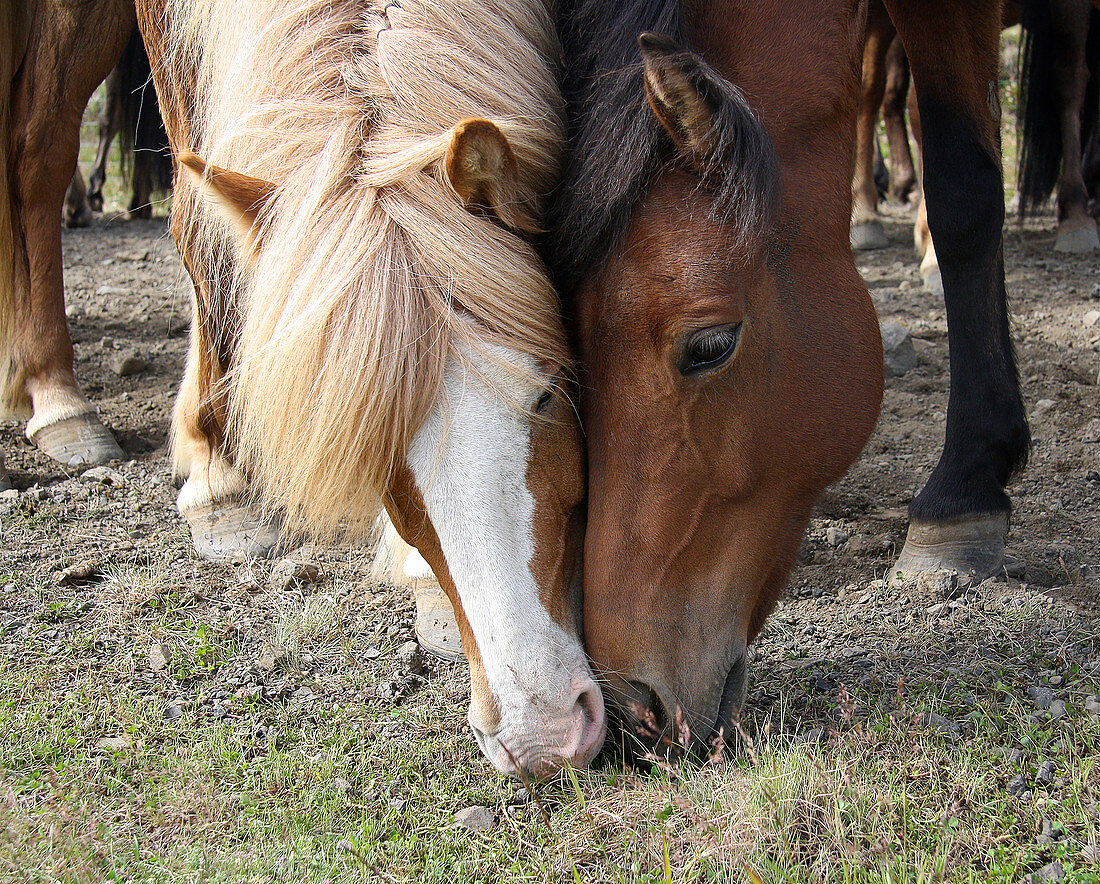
pixel 52 56
pixel 731 355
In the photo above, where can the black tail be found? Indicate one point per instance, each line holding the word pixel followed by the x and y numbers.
pixel 142 138
pixel 1090 122
pixel 1038 131
pixel 1038 127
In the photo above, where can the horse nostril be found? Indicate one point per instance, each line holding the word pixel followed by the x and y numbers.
pixel 646 714
pixel 592 726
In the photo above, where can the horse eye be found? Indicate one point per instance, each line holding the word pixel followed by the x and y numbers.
pixel 709 349
pixel 544 401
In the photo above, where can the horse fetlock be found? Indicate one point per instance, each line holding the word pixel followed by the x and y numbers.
pixel 973 545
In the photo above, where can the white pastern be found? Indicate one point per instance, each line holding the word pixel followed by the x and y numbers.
pixel 470 463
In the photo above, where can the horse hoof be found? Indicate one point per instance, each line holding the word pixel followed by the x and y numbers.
pixel 1080 239
pixel 78 441
pixel 225 529
pixel 972 546
pixel 933 281
pixel 867 236
pixel 436 628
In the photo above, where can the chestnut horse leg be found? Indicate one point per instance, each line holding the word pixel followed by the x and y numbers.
pixel 68 51
pixel 903 176
pixel 108 125
pixel 960 519
pixel 866 230
pixel 1077 231
pixel 922 236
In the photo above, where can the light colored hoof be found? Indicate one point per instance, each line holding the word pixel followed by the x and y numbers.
pixel 868 236
pixel 5 479
pixel 1080 239
pixel 436 628
pixel 225 529
pixel 974 547
pixel 933 281
pixel 78 441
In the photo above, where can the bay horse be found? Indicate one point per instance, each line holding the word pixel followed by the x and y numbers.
pixel 732 364
pixel 52 56
pixel 358 182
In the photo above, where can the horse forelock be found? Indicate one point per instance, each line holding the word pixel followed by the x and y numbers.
pixel 617 145
pixel 370 267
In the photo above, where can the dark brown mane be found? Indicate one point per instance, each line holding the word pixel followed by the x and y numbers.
pixel 617 145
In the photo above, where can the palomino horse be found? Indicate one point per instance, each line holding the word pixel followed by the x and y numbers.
pixel 52 55
pixel 731 355
pixel 371 325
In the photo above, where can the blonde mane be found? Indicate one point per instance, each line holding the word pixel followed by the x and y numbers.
pixel 370 269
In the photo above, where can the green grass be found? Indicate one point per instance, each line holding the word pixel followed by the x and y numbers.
pixel 362 791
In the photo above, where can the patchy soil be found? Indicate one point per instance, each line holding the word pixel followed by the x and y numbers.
pixel 113 630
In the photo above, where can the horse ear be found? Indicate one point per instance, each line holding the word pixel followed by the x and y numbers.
pixel 481 168
pixel 239 199
pixel 682 93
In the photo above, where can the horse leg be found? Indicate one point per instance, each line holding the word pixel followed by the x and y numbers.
pixel 141 205
pixel 214 498
pixel 866 230
pixel 1077 231
pixel 49 94
pixel 108 125
pixel 78 213
pixel 396 562
pixel 960 519
pixel 903 176
pixel 922 236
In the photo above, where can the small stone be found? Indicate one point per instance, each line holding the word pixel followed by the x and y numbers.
pixel 869 544
pixel 128 363
pixel 115 744
pixel 159 657
pixel 289 571
pixel 372 653
pixel 1042 407
pixel 939 584
pixel 943 726
pixel 898 354
pixel 1057 710
pixel 1092 704
pixel 1091 318
pixel 269 658
pixel 411 657
pixel 1045 773
pixel 104 476
pixel 1041 696
pixel 84 571
pixel 341 785
pixel 110 290
pixel 173 712
pixel 1092 431
pixel 1051 872
pixel 835 536
pixel 476 819
pixel 1017 785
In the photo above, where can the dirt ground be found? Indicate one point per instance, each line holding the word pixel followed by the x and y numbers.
pixel 97 574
